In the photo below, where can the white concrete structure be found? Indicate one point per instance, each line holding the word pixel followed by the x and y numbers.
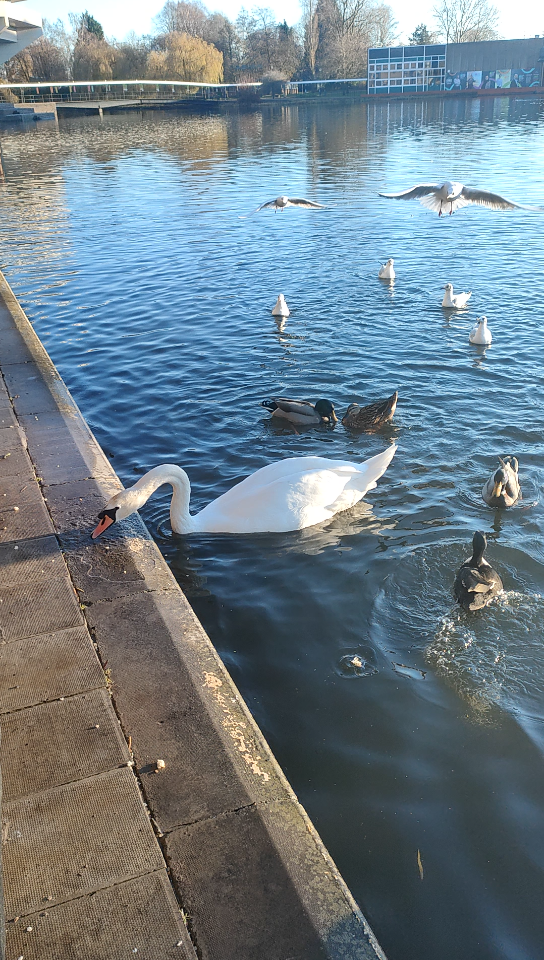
pixel 18 27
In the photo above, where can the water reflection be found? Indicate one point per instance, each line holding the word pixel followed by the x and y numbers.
pixel 122 238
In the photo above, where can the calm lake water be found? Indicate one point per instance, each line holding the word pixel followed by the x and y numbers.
pixel 123 241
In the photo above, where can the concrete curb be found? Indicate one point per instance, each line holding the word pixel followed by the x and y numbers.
pixel 248 867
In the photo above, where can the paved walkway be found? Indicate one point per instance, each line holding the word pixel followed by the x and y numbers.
pixel 104 670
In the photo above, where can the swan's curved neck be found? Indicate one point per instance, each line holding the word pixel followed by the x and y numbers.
pixel 180 518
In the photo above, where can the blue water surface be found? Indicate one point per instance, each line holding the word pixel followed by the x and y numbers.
pixel 124 241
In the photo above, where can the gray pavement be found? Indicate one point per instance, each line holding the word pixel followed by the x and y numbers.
pixel 104 669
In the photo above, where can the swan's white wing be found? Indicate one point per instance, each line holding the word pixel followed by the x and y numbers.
pixel 296 202
pixel 486 199
pixel 414 193
pixel 292 494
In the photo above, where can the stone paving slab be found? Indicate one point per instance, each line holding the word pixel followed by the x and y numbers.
pixel 140 915
pixel 7 417
pixel 297 909
pixel 63 448
pixel 38 669
pixel 27 609
pixel 26 560
pixel 75 505
pixel 117 565
pixel 14 460
pixel 22 510
pixel 189 716
pixel 75 839
pixel 28 389
pixel 13 348
pixel 86 733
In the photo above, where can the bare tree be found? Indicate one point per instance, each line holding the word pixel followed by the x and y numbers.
pixel 462 21
pixel 347 28
pixel 310 20
pixel 178 16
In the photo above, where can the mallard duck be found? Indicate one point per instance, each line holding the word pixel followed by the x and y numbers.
pixel 503 489
pixel 301 411
pixel 371 417
pixel 476 582
pixel 480 333
pixel 287 495
pixel 454 301
pixel 387 270
pixel 451 196
pixel 280 308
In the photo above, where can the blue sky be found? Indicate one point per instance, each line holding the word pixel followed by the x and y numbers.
pixel 119 17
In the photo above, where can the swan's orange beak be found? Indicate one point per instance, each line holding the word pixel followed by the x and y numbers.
pixel 105 521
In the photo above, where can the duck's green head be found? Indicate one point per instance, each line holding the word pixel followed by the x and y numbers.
pixel 325 409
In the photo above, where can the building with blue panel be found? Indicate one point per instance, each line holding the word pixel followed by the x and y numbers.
pixel 484 65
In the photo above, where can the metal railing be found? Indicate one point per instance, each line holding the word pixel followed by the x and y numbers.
pixel 84 91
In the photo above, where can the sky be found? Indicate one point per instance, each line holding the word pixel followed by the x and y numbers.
pixel 119 17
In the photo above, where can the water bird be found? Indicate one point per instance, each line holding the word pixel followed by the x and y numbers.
pixel 454 301
pixel 280 203
pixel 301 411
pixel 451 196
pixel 387 270
pixel 480 333
pixel 503 488
pixel 280 308
pixel 476 582
pixel 371 417
pixel 286 495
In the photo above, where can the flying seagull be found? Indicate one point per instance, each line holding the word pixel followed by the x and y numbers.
pixel 281 202
pixel 447 197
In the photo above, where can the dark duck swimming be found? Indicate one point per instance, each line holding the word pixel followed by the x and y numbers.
pixel 476 583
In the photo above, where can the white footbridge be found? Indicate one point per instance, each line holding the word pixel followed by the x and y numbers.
pixel 19 26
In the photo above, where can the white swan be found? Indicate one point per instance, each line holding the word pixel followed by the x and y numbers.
pixel 280 308
pixel 454 301
pixel 287 495
pixel 480 333
pixel 387 271
pixel 452 196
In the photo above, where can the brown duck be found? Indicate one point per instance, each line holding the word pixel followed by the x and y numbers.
pixel 476 582
pixel 371 417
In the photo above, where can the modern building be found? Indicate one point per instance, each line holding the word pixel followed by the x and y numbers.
pixel 18 28
pixel 484 65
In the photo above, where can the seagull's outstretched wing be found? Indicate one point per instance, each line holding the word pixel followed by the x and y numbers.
pixel 486 199
pixel 414 193
pixel 269 203
pixel 296 202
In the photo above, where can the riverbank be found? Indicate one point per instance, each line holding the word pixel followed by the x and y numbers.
pixel 105 670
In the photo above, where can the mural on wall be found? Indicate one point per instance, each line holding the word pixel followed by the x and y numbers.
pixel 491 79
pixel 502 79
pixel 474 79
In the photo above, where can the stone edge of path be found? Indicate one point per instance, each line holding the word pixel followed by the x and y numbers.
pixel 246 863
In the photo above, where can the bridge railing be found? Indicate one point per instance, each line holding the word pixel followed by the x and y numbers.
pixel 82 91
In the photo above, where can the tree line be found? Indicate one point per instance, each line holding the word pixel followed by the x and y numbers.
pixel 191 43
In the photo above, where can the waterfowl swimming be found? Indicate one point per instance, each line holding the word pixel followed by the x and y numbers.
pixel 452 196
pixel 280 308
pixel 371 417
pixel 476 582
pixel 503 489
pixel 480 333
pixel 455 301
pixel 301 411
pixel 287 495
pixel 387 271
